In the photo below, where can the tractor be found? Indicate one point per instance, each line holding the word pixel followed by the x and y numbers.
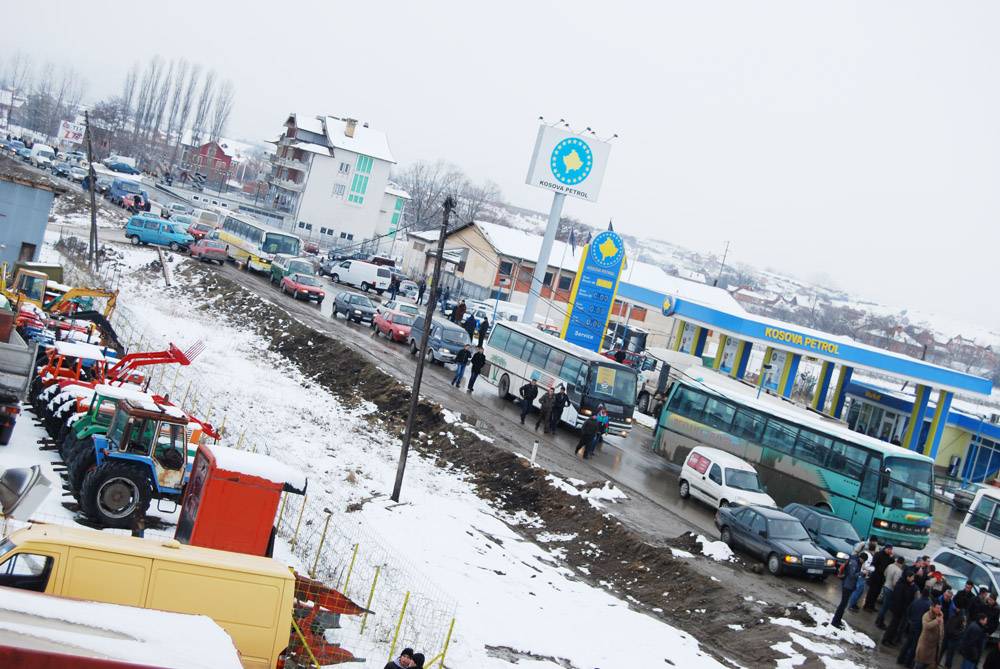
pixel 143 455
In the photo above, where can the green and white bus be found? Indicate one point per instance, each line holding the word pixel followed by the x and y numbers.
pixel 253 245
pixel 802 456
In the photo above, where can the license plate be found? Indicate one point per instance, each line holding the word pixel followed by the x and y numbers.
pixel 814 571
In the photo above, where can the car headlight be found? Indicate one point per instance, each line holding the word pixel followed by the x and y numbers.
pixel 628 420
pixel 791 559
pixel 882 523
pixel 585 412
pixel 831 563
pixel 357 312
pixel 444 351
pixel 841 555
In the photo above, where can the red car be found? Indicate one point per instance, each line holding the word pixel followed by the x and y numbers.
pixel 393 324
pixel 211 250
pixel 303 285
pixel 199 230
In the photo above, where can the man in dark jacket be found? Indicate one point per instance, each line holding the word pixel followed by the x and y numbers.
pixel 882 560
pixel 476 365
pixel 484 327
pixel 902 597
pixel 914 625
pixel 404 661
pixel 954 626
pixel 470 326
pixel 528 392
pixel 461 360
pixel 421 287
pixel 545 415
pixel 851 575
pixel 588 432
pixel 559 402
pixel 966 597
pixel 970 647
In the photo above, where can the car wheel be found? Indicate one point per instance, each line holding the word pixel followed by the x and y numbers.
pixel 295 294
pixel 503 387
pixel 413 347
pixel 221 262
pixel 135 240
pixel 774 564
pixel 429 356
pixel 335 278
pixel 724 503
pixel 643 404
pixel 175 247
pixel 364 286
pixel 684 489
pixel 727 537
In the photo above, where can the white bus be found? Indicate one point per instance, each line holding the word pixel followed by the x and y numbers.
pixel 980 531
pixel 518 352
pixel 253 245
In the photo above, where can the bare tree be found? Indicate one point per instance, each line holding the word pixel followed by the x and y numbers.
pixel 221 110
pixel 473 198
pixel 427 183
pixel 63 92
pixel 204 104
pixel 185 108
pixel 175 98
pixel 17 79
pixel 147 88
pixel 160 104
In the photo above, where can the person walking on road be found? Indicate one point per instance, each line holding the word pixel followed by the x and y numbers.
pixel 559 402
pixel 476 366
pixel 892 575
pixel 902 597
pixel 588 433
pixel 461 360
pixel 458 313
pixel 484 327
pixel 528 393
pixel 859 590
pixel 954 626
pixel 470 327
pixel 931 635
pixel 914 623
pixel 421 287
pixel 970 647
pixel 545 415
pixel 852 572
pixel 876 582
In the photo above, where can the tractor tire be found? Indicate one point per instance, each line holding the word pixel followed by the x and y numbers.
pixel 114 492
pixel 75 448
pixel 82 462
pixel 67 444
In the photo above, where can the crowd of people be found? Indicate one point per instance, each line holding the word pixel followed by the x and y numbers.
pixel 928 621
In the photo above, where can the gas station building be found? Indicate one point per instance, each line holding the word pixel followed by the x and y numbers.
pixel 921 426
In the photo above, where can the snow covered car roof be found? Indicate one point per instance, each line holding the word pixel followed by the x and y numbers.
pixel 78 349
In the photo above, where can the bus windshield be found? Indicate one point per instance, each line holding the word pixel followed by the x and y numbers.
pixel 612 383
pixel 909 487
pixel 277 243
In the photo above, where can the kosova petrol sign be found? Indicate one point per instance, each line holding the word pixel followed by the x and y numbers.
pixel 594 291
pixel 568 163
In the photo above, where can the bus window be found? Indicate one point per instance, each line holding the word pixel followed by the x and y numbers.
pixel 719 414
pixel 981 515
pixel 909 486
pixel 688 402
pixel 555 362
pixel 539 355
pixel 570 371
pixel 499 337
pixel 870 478
pixel 529 346
pixel 780 436
pixel 515 345
pixel 812 447
pixel 617 384
pixel 747 425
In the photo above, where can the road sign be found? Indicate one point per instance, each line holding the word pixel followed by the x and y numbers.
pixel 568 163
pixel 71 132
pixel 594 290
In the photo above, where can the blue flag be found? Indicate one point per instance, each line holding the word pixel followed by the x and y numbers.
pixel 572 241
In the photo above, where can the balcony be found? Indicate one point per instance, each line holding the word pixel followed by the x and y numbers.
pixel 287 184
pixel 291 163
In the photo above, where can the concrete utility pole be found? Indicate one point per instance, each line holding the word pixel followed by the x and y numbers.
pixel 542 264
pixel 92 246
pixel 449 204
pixel 725 254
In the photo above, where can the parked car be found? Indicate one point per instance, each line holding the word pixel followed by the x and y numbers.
pixel 393 324
pixel 122 168
pixel 148 229
pixel 211 250
pixel 355 307
pixel 776 537
pixel 365 276
pixel 311 248
pixel 834 535
pixel 61 168
pixel 409 289
pixel 401 306
pixel 303 285
pixel 719 479
pixel 179 208
pixel 445 341
pixel 122 187
pixel 15 145
pixel 200 230
pixel 284 264
pixel 960 565
pixel 24 154
pixel 76 157
pixel 77 174
pixel 182 219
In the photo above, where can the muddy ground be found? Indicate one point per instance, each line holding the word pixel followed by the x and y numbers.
pixel 605 553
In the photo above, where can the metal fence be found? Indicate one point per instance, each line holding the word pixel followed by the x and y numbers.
pixel 325 539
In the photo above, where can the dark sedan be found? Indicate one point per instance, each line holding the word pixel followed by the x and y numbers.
pixel 776 537
pixel 834 535
pixel 355 307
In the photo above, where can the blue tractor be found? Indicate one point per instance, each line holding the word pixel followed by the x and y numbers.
pixel 144 455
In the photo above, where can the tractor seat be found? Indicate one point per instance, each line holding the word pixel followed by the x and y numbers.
pixel 169 456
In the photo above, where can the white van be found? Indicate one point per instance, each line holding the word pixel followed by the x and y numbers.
pixel 505 311
pixel 720 479
pixel 206 216
pixel 364 275
pixel 42 155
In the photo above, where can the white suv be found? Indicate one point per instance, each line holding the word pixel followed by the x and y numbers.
pixel 960 565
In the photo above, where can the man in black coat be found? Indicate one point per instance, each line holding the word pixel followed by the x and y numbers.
pixel 470 326
pixel 461 360
pixel 883 559
pixel 973 639
pixel 528 392
pixel 902 597
pixel 914 626
pixel 484 327
pixel 559 402
pixel 476 365
pixel 966 597
pixel 588 432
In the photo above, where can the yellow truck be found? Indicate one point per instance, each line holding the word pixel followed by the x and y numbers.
pixel 248 596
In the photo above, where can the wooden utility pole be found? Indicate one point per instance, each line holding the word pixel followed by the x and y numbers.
pixel 449 204
pixel 92 259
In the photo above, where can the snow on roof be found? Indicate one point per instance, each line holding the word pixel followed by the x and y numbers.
pixel 424 235
pixel 259 465
pixel 115 632
pixel 309 123
pixel 312 148
pixel 366 141
pixel 397 191
pixel 79 350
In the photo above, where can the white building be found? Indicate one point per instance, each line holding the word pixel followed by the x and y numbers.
pixel 330 177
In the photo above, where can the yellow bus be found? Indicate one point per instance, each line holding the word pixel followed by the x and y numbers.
pixel 253 245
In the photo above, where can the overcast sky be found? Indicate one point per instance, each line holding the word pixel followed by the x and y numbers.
pixel 852 141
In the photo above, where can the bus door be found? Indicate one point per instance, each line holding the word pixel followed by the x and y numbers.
pixel 852 475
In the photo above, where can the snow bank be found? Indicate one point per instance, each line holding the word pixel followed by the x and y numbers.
pixel 644 420
pixel 606 493
pixel 716 550
pixel 823 627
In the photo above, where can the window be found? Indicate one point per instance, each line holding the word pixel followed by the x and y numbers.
pixel 780 436
pixel 758 524
pixel 565 282
pixel 980 517
pixel 338 191
pixel 26 571
pixel 529 346
pixel 350 236
pixel 547 281
pixel 499 337
pixel 847 459
pixel 345 168
pixel 718 414
pixel 747 425
pixel 698 462
pixel 811 522
pixel 329 231
pixel 506 268
pixel 151 225
pixel 715 474
pixel 515 345
pixel 418 246
pixel 359 185
pixel 688 402
pixel 555 362
pixel 570 371
pixel 302 224
pixel 322 231
pixel 812 447
pixel 539 355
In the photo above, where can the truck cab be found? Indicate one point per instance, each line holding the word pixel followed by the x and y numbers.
pixel 655 376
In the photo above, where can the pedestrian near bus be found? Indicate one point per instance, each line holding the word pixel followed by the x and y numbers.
pixel 970 647
pixel 892 575
pixel 902 597
pixel 928 651
pixel 882 560
pixel 954 626
pixel 559 402
pixel 859 589
pixel 461 360
pixel 852 573
pixel 476 365
pixel 545 414
pixel 470 327
pixel 484 327
pixel 914 623
pixel 528 393
pixel 421 287
pixel 588 433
